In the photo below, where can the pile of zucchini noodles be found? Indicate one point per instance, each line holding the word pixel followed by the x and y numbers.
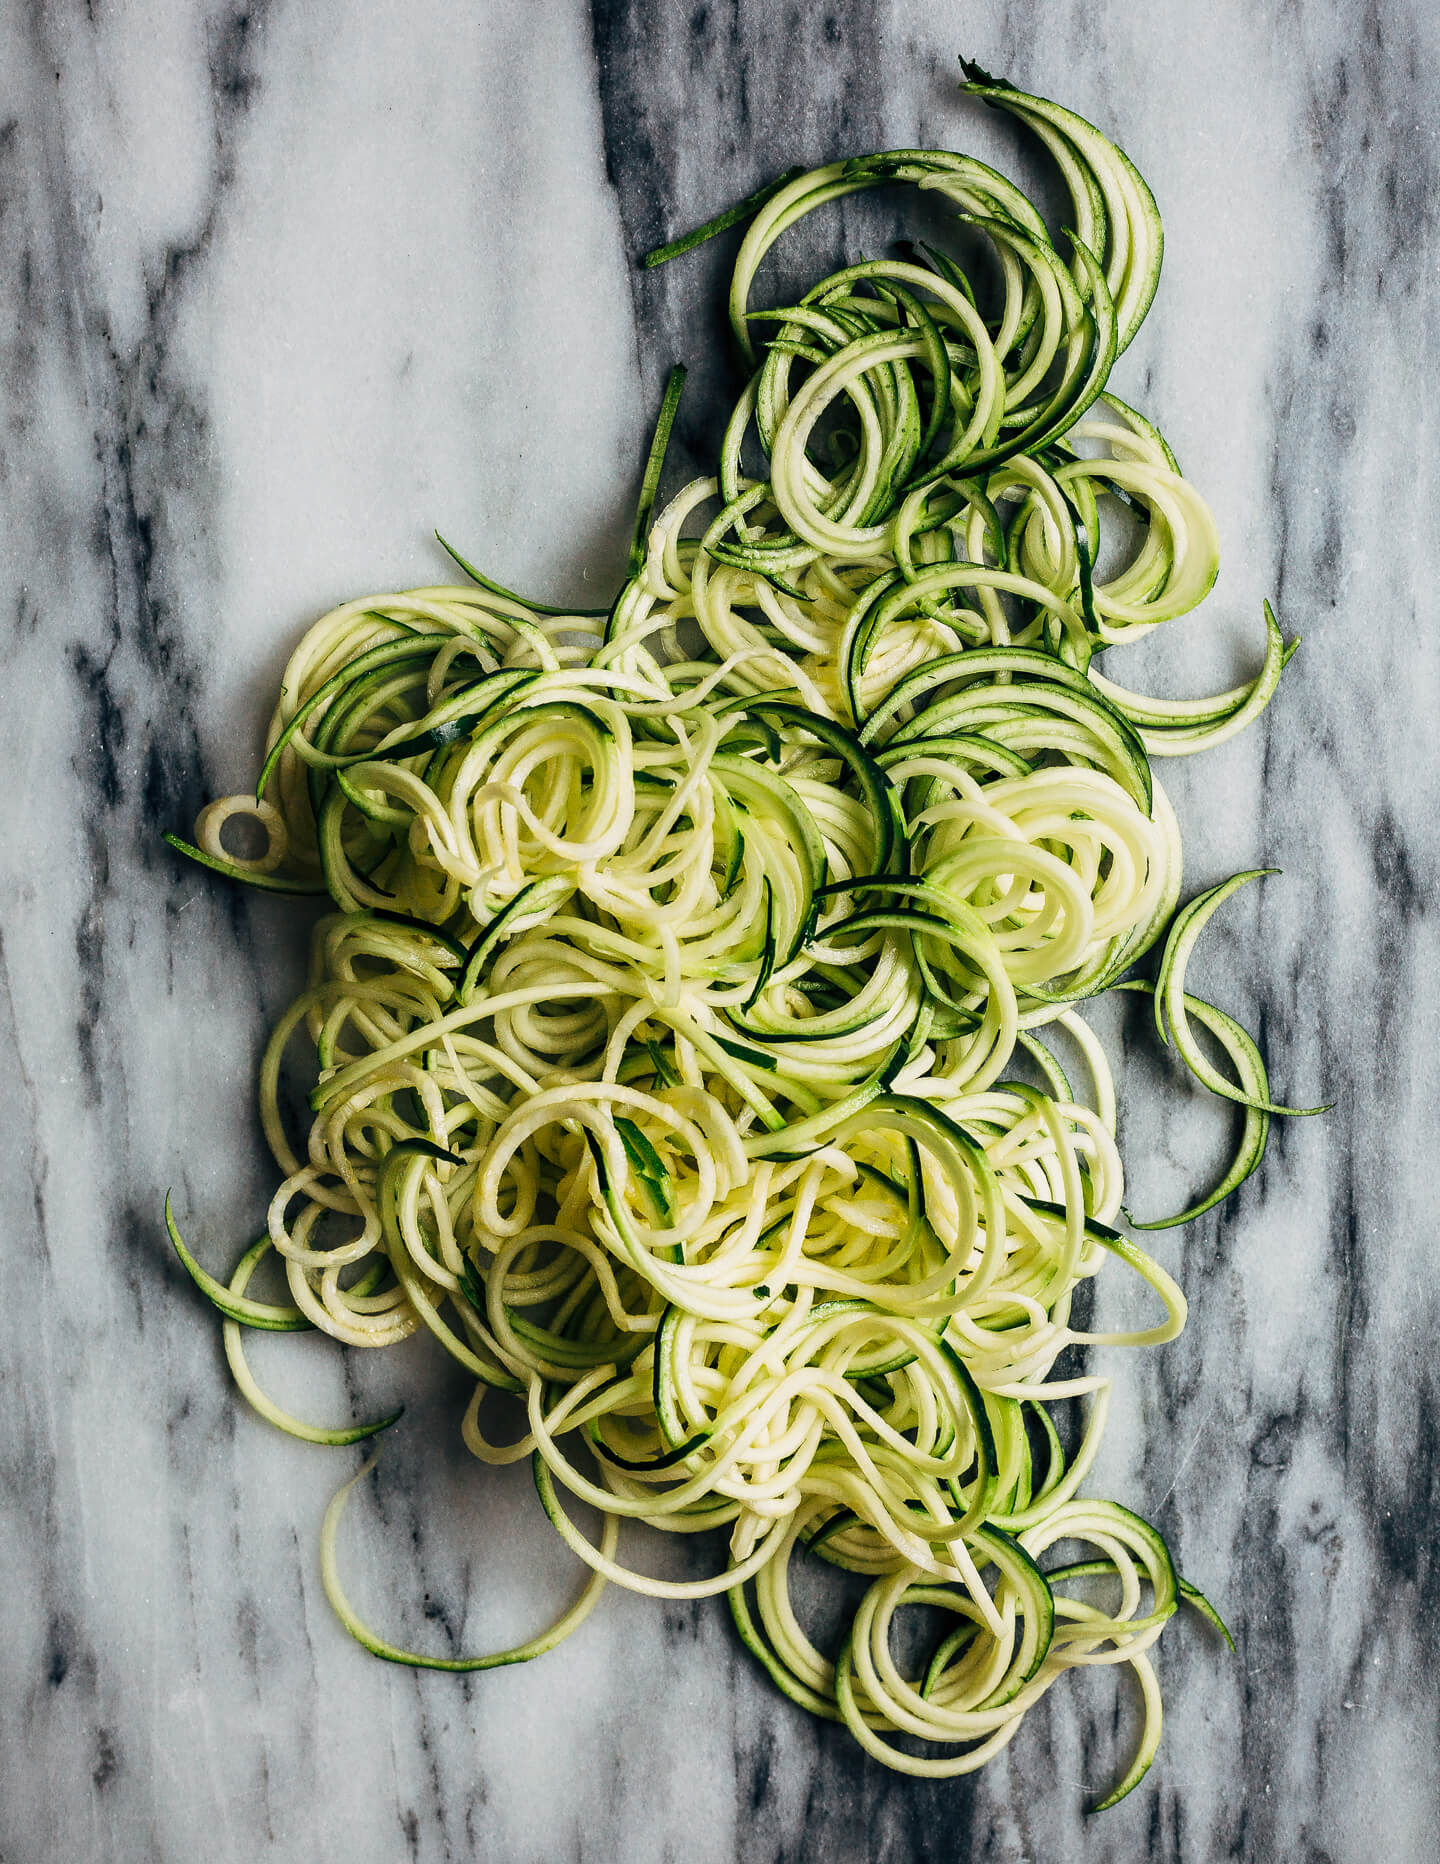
pixel 666 1026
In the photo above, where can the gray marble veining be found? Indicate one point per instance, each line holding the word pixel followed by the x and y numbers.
pixel 287 286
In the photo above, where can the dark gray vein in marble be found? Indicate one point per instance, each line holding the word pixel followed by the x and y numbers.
pixel 95 590
pixel 701 104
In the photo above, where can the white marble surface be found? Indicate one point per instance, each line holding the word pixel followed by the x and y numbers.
pixel 283 288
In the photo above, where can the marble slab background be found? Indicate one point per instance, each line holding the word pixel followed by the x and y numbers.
pixel 282 288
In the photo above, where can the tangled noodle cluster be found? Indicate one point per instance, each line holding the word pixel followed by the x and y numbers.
pixel 665 1026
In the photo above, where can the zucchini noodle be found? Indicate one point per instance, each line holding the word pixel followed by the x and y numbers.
pixel 674 1022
